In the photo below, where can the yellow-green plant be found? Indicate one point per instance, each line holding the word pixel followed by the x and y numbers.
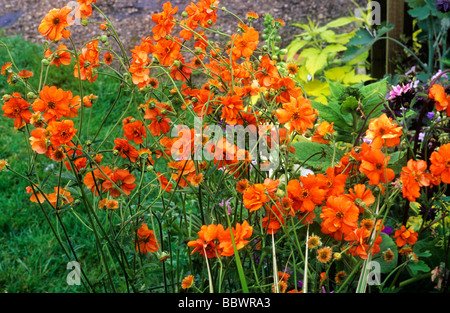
pixel 317 52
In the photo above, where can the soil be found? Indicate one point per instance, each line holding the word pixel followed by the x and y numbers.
pixel 132 18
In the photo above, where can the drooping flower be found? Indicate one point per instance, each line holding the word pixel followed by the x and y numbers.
pixel 146 240
pixel 440 97
pixel 60 57
pixel 124 181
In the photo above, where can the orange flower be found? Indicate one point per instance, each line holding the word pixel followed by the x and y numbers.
pixel 123 179
pixel 306 194
pixel 147 241
pixel 54 24
pixel 441 99
pixel 299 113
pixel 59 57
pixel 255 197
pixel 324 255
pixel 273 220
pixel 405 236
pixel 25 74
pixel 94 179
pixel 242 185
pixel 36 196
pixel 240 233
pixel 413 178
pixel 62 132
pixel 134 130
pixel 205 244
pixel 333 183
pixel 164 21
pixel 89 60
pixel 373 165
pixel 361 196
pixel 87 100
pixel 383 132
pixel 64 197
pixel 323 133
pixel 440 163
pixel 340 216
pixel 108 58
pixel 267 74
pixel 40 140
pixel 75 154
pixel 53 102
pixel 167 50
pixel 244 45
pixel 5 67
pixel 361 246
pixel 125 149
pixel 187 282
pixel 231 108
pixel 160 123
pixel 112 204
pixel 165 185
pixel 17 109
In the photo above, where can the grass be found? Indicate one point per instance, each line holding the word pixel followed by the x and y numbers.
pixel 31 260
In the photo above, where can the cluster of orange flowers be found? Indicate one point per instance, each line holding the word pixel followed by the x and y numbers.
pixel 215 241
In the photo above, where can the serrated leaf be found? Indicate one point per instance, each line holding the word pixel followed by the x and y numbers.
pixel 333 49
pixel 316 88
pixel 294 48
pixel 328 36
pixel 315 63
pixel 331 115
pixel 337 73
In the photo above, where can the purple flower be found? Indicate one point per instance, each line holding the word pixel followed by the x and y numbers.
pixel 387 230
pixel 442 5
pixel 430 115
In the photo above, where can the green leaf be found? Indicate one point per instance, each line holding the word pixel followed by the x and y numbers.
pixel 331 114
pixel 328 36
pixel 387 243
pixel 349 105
pixel 415 268
pixel 372 95
pixel 316 62
pixel 294 47
pixel 342 21
pixel 305 149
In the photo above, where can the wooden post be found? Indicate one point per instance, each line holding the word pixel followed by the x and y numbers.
pixel 395 15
